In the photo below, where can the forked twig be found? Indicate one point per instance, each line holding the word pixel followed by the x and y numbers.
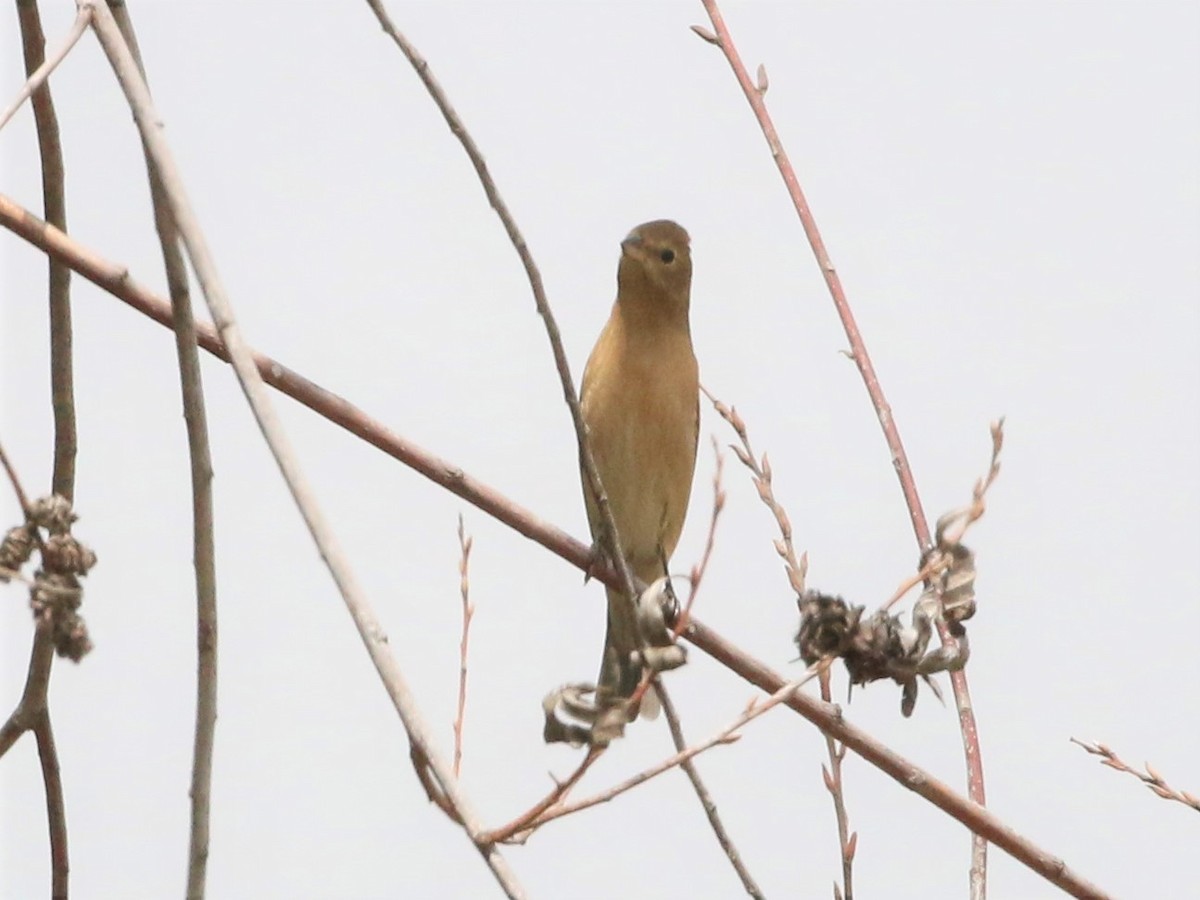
pixel 32 713
pixel 525 824
pixel 960 521
pixel 726 735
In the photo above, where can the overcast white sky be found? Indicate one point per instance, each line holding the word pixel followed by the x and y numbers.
pixel 1010 193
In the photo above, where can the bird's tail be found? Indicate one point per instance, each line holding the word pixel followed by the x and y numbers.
pixel 620 671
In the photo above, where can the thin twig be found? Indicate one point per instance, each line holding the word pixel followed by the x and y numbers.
pixel 523 825
pixel 698 570
pixel 847 842
pixel 974 512
pixel 468 612
pixel 370 630
pixel 608 525
pixel 1154 781
pixel 14 480
pixel 62 399
pixel 39 75
pixel 796 569
pixel 672 716
pixel 706 801
pixel 726 735
pixel 203 522
pixel 117 281
pixel 755 95
pixel 926 572
pixel 62 381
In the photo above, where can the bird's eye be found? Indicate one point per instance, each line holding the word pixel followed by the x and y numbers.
pixel 667 256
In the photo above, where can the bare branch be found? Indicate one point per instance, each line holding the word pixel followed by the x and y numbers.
pixel 756 96
pixel 847 842
pixel 370 630
pixel 796 569
pixel 519 829
pixel 425 73
pixel 34 699
pixel 706 801
pixel 468 611
pixel 726 735
pixel 1154 781
pixel 203 524
pixel 39 75
pixel 117 281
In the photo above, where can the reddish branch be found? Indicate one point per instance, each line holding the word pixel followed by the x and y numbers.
pixel 117 281
pixel 755 94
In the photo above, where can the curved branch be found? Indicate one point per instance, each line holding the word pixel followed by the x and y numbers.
pixel 242 359
pixel 203 523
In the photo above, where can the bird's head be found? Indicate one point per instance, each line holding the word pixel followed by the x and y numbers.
pixel 656 263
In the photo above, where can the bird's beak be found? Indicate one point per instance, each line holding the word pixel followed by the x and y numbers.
pixel 633 240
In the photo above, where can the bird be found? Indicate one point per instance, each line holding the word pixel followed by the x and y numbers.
pixel 640 400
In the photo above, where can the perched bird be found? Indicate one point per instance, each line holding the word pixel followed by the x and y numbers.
pixel 641 403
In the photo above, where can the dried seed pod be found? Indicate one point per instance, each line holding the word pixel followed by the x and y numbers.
pixel 16 548
pixel 826 623
pixel 52 513
pixel 562 705
pixel 64 554
pixel 663 659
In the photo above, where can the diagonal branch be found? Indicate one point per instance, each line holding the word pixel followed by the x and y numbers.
pixel 688 764
pixel 425 73
pixel 38 74
pixel 369 628
pixel 117 281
